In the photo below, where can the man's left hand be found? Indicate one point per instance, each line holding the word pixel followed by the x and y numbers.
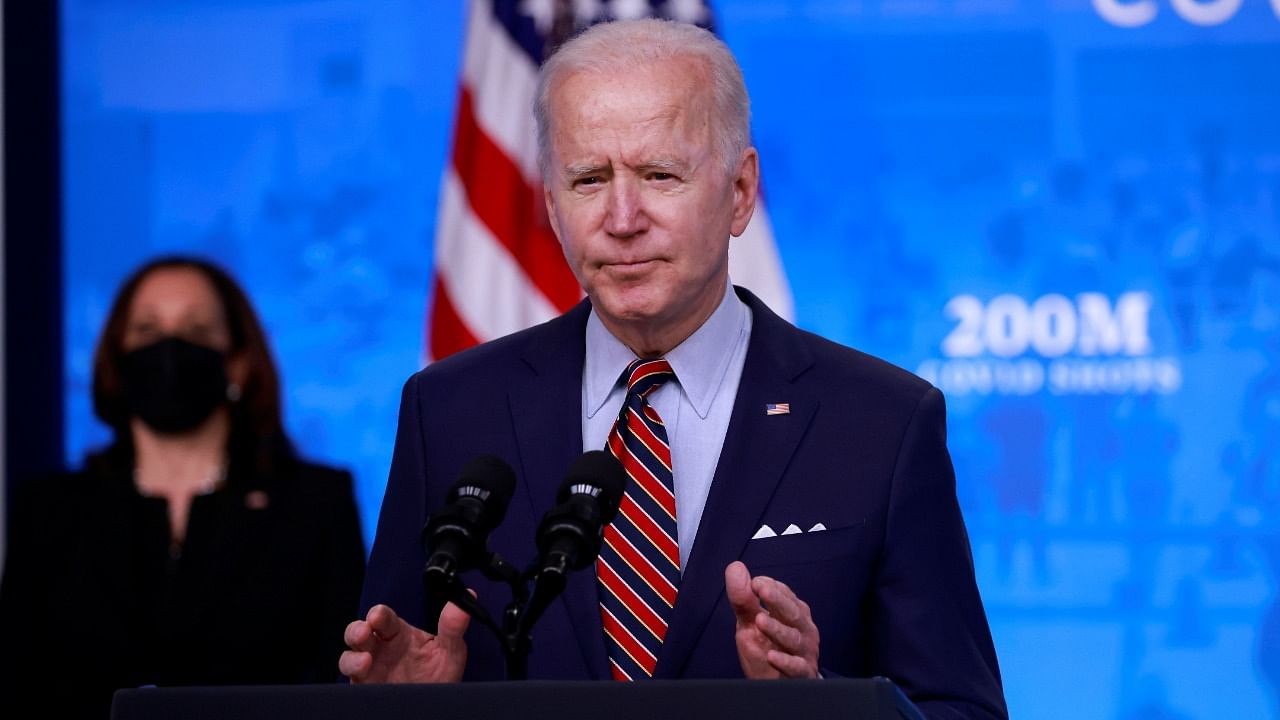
pixel 775 633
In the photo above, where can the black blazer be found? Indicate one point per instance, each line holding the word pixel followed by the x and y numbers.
pixel 95 599
pixel 862 451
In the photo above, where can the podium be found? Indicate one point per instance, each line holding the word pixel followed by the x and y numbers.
pixel 870 699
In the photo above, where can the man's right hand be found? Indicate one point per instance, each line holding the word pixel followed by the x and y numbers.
pixel 386 649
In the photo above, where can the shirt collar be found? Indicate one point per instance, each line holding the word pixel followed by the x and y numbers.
pixel 699 362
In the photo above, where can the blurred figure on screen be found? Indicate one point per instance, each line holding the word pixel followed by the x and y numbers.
pixel 197 548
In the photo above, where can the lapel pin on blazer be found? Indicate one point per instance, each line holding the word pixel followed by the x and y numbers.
pixel 777 408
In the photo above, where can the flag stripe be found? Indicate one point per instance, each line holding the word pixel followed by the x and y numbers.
pixel 448 333
pixel 501 83
pixel 491 292
pixel 512 209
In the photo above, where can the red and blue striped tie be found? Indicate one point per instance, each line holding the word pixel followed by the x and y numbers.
pixel 639 564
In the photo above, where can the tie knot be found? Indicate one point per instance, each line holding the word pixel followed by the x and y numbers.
pixel 644 376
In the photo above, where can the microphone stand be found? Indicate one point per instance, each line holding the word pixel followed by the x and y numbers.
pixel 515 633
pixel 568 539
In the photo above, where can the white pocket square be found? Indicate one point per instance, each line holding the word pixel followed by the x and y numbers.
pixel 767 532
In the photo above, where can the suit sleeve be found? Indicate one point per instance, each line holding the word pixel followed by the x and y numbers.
pixel 928 629
pixel 394 575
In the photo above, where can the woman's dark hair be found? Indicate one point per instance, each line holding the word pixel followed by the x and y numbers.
pixel 257 443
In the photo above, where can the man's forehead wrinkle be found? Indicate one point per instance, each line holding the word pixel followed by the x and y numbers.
pixel 624 114
pixel 651 121
pixel 656 136
pixel 660 163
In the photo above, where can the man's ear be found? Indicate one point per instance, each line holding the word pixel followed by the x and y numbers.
pixel 746 187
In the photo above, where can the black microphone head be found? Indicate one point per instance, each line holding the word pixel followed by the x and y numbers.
pixel 457 532
pixel 569 535
pixel 599 474
pixel 491 481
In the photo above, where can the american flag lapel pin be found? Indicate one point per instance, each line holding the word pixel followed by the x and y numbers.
pixel 777 408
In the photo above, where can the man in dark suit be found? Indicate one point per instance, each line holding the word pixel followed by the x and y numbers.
pixel 748 443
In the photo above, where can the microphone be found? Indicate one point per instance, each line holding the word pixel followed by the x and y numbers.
pixel 456 535
pixel 569 536
pixel 570 533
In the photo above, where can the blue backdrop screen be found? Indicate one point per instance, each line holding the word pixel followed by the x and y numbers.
pixel 1066 215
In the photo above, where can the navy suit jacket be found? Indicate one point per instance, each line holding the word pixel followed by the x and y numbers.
pixel 863 451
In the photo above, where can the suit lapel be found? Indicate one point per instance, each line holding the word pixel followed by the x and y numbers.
pixel 546 410
pixel 756 451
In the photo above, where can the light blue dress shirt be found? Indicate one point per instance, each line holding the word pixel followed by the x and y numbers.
pixel 695 407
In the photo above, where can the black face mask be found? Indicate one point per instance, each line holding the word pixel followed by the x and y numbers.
pixel 173 385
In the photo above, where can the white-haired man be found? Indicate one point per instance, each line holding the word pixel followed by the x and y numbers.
pixel 749 443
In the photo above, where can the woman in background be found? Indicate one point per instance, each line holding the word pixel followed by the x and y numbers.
pixel 197 549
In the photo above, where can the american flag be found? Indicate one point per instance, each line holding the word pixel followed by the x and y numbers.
pixel 498 266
